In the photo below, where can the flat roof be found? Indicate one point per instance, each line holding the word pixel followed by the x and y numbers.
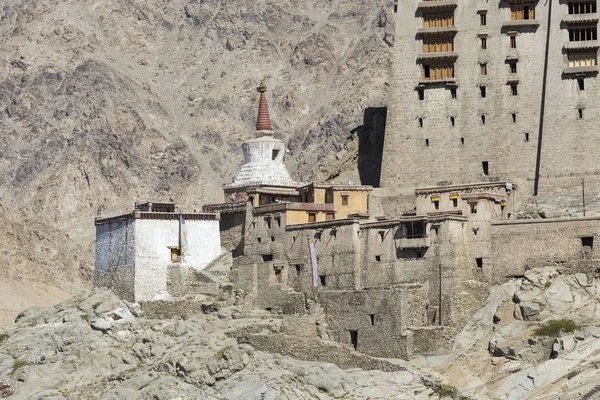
pixel 157 215
pixel 468 186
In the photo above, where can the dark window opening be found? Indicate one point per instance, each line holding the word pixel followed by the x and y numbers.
pixel 484 166
pixel 462 140
pixel 513 67
pixel 482 19
pixel 298 269
pixel 454 203
pixel 452 121
pixel 378 258
pixel 419 254
pixel 436 204
pixel 412 230
pixel 527 137
pixel 259 239
pixel 580 111
pixel 513 89
pixel 483 43
pixel 482 89
pixel 420 122
pixel 272 238
pixel 514 117
pixel 354 339
pixel 395 6
pixel 267 257
pixel 269 309
pixel 453 93
pixel 581 84
pixel 421 94
pixel 278 275
pixel 473 208
pixel 345 200
pixel 323 280
pixel 293 239
pixel 427 142
pixel 318 236
pixel 382 235
pixel 483 119
pixel 275 154
pixel 427 71
pixel 278 221
pixel 333 233
pixel 268 222
pixel 525 12
pixel 513 42
pixel 372 316
pixel 479 262
pixel 587 241
pixel 254 225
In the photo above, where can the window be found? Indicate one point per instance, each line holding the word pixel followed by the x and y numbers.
pixel 344 199
pixel 473 208
pixel 278 221
pixel 482 19
pixel 485 168
pixel 580 84
pixel 272 238
pixel 587 241
pixel 421 93
pixel 277 274
pixel 513 42
pixel 333 233
pixel 259 239
pixel 582 7
pixel 268 222
pixel 323 280
pixel 479 262
pixel 581 59
pixel 274 154
pixel 329 216
pixel 437 45
pixel 452 121
pixel 438 71
pixel 354 339
pixel 462 140
pixel 482 90
pixel 312 217
pixel 513 89
pixel 427 142
pixel 454 203
pixel 514 117
pixel 378 258
pixel 513 67
pixel 483 40
pixel 298 269
pixel 267 257
pixel 483 119
pixel 318 236
pixel 372 317
pixel 438 20
pixel 527 137
pixel 522 11
pixel 580 111
pixel 420 122
pixel 453 93
pixel 483 69
pixel 382 235
pixel 583 33
pixel 436 204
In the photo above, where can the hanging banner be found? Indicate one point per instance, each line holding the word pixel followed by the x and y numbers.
pixel 183 245
pixel 313 262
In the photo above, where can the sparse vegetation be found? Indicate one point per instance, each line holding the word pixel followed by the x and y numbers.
pixel 447 390
pixel 84 317
pixel 220 353
pixel 96 304
pixel 18 364
pixel 3 337
pixel 547 285
pixel 555 327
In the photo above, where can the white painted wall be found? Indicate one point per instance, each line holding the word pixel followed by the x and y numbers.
pixel 153 255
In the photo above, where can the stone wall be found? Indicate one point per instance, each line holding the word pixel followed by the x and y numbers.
pixel 439 151
pixel 517 246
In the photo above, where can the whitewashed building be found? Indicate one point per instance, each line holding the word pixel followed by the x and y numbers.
pixel 134 251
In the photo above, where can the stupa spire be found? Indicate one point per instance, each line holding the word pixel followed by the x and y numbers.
pixel 263 121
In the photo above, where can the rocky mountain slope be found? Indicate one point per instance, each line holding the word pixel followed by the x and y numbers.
pixel 104 103
pixel 97 347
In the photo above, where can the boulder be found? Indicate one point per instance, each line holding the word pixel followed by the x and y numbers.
pixel 530 311
pixel 100 324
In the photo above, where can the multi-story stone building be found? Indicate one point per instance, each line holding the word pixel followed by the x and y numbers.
pixel 489 91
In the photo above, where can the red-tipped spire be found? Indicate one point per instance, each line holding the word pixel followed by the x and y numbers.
pixel 263 121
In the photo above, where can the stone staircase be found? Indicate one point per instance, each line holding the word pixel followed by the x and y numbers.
pixel 214 276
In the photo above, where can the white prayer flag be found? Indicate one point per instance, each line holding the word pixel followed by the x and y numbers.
pixel 313 261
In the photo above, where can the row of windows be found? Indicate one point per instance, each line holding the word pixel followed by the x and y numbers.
pixel 452 120
pixel 582 7
pixel 583 33
pixel 462 140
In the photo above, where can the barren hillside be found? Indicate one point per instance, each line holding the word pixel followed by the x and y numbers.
pixel 103 103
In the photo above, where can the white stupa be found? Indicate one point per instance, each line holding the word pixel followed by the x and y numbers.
pixel 263 155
